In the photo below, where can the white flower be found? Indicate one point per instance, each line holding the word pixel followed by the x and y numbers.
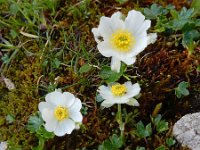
pixel 61 112
pixel 123 38
pixel 119 94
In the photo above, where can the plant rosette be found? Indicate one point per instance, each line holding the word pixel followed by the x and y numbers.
pixel 119 94
pixel 123 38
pixel 61 112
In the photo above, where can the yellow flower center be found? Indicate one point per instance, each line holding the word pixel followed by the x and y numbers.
pixel 118 90
pixel 122 40
pixel 61 113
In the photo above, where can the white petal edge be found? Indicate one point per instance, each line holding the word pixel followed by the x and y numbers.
pixel 105 92
pixel 141 44
pixel 51 125
pixel 115 64
pixel 133 102
pixel 134 21
pixel 105 49
pixel 107 103
pixel 143 28
pixel 105 27
pixel 48 115
pixel 43 105
pixel 96 34
pixel 76 116
pixel 68 98
pixel 64 127
pixel 76 106
pixel 129 60
pixel 133 90
pixel 55 98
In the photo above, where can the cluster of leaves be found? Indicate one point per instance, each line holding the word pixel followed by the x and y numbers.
pixel 28 10
pixel 182 24
pixel 157 125
pixel 35 125
pixel 113 143
pixel 143 131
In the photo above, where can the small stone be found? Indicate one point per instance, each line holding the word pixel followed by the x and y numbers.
pixel 187 131
pixel 3 146
pixel 9 84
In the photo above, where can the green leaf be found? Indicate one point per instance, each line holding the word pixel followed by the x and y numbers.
pixel 34 123
pixel 113 143
pixel 10 118
pixel 186 13
pixel 170 142
pixel 116 141
pixel 162 126
pixel 174 13
pixel 5 59
pixel 154 11
pixel 182 90
pixel 196 5
pixel 85 68
pixel 14 8
pixel 162 147
pixel 142 131
pixel 111 76
pixel 121 1
pixel 43 133
pixel 40 144
pixel 56 63
pixel 197 22
pixel 140 148
pixel 157 119
pixel 13 33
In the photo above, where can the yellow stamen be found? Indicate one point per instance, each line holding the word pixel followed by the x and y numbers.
pixel 118 90
pixel 122 40
pixel 61 113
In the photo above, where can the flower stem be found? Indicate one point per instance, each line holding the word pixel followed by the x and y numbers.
pixel 121 124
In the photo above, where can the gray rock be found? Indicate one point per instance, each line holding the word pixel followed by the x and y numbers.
pixel 3 146
pixel 187 131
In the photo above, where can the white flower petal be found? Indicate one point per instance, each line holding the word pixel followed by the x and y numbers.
pixel 129 60
pixel 43 105
pixel 133 90
pixel 47 114
pixel 105 49
pixel 55 98
pixel 144 27
pixel 51 125
pixel 107 103
pixel 105 27
pixel 76 106
pixel 65 126
pixel 108 25
pixel 117 22
pixel 105 92
pixel 121 100
pixel 133 102
pixel 152 37
pixel 68 98
pixel 76 116
pixel 140 45
pixel 117 16
pixel 134 21
pixel 115 64
pixel 96 34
